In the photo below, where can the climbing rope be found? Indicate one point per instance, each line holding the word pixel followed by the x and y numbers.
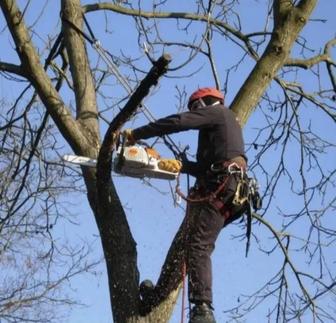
pixel 184 274
pixel 189 200
pixel 210 197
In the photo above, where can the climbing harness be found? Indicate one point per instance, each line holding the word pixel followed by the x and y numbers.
pixel 245 198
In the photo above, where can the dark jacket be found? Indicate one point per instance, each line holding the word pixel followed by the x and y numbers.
pixel 220 135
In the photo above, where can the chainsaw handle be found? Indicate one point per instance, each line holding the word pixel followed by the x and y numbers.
pixel 144 143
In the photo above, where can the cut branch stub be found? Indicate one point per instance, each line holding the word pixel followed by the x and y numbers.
pixel 118 244
pixel 105 155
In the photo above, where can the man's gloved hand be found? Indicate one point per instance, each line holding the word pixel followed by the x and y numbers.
pixel 170 165
pixel 128 135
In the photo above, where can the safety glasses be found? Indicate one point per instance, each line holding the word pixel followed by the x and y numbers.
pixel 196 105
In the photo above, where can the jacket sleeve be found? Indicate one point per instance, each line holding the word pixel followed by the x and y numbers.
pixel 174 123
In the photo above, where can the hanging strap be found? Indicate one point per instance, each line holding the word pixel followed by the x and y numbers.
pixel 248 227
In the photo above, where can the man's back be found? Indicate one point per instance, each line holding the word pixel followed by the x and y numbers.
pixel 220 139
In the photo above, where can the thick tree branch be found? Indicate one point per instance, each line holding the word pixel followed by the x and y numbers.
pixel 308 63
pixel 327 50
pixel 330 65
pixel 34 70
pixel 285 32
pixel 12 68
pixel 118 243
pixel 280 9
pixel 84 88
pixel 306 5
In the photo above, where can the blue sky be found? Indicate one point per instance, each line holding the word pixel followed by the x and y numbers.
pixel 150 208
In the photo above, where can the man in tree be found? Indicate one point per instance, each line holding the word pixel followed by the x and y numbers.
pixel 220 162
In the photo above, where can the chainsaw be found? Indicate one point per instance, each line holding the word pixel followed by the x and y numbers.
pixel 134 161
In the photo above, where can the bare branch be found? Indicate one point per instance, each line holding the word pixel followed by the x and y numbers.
pixel 34 70
pixel 11 68
pixel 163 15
pixel 119 246
pixel 272 60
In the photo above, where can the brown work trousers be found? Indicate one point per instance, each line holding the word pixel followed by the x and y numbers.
pixel 205 222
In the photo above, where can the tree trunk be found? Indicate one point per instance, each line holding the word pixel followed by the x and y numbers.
pixel 82 134
pixel 118 243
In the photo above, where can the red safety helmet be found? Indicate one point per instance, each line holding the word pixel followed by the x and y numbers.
pixel 206 91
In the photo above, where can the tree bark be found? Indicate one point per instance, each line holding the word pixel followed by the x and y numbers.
pixel 84 89
pixel 118 243
pixel 34 71
pixel 288 22
pixel 82 134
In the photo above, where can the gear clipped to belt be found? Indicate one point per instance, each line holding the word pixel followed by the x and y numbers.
pixel 247 194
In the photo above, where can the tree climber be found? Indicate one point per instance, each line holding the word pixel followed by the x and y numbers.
pixel 221 162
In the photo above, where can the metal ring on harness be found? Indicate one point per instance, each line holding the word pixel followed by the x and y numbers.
pixel 232 166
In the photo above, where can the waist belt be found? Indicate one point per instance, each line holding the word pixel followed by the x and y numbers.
pixel 235 164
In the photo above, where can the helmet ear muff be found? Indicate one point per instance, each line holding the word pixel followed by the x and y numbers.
pixel 202 103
